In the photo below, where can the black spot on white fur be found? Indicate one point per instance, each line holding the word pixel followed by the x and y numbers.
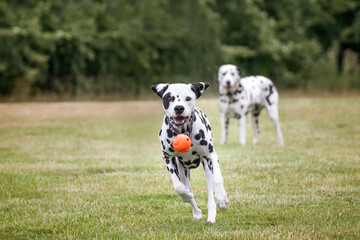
pixel 170 133
pixel 166 101
pixel 200 135
pixel 211 148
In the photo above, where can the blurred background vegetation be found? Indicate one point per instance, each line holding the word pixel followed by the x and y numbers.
pixel 73 48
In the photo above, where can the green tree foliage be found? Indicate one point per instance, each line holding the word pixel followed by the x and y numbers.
pixel 104 46
pixel 340 21
pixel 70 47
pixel 288 40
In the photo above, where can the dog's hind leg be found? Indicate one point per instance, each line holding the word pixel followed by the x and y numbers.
pixel 255 125
pixel 271 105
pixel 274 115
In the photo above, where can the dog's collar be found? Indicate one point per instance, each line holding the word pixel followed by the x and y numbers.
pixel 189 126
pixel 239 89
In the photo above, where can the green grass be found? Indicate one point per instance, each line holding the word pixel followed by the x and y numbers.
pixel 94 171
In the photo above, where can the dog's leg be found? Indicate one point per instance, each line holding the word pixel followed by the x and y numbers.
pixel 182 187
pixel 171 165
pixel 210 185
pixel 274 115
pixel 255 125
pixel 185 178
pixel 225 127
pixel 242 127
pixel 217 181
pixel 272 108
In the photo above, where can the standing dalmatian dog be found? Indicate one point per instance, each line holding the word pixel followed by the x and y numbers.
pixel 181 116
pixel 240 96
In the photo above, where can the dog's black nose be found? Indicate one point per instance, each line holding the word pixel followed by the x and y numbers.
pixel 179 109
pixel 227 83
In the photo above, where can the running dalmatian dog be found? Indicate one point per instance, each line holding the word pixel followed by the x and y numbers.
pixel 240 96
pixel 181 116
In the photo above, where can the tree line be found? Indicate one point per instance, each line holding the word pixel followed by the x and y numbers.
pixel 104 47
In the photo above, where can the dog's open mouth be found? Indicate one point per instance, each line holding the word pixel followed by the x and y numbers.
pixel 179 120
pixel 228 88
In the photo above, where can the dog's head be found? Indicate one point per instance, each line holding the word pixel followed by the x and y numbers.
pixel 229 77
pixel 179 100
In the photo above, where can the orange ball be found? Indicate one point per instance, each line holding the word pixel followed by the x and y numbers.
pixel 181 143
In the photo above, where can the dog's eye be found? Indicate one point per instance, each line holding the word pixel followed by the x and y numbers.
pixel 188 99
pixel 224 73
pixel 170 99
pixel 232 74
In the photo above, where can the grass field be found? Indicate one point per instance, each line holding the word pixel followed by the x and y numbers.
pixel 93 170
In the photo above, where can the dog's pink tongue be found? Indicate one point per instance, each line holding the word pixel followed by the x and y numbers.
pixel 179 120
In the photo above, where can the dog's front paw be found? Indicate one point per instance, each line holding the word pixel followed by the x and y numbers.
pixel 222 201
pixel 210 220
pixel 197 214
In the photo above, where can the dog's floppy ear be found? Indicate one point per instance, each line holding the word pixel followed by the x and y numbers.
pixel 199 88
pixel 239 71
pixel 160 88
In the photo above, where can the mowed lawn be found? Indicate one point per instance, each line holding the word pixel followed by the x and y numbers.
pixel 93 170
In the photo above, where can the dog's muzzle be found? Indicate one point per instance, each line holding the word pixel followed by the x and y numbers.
pixel 179 120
